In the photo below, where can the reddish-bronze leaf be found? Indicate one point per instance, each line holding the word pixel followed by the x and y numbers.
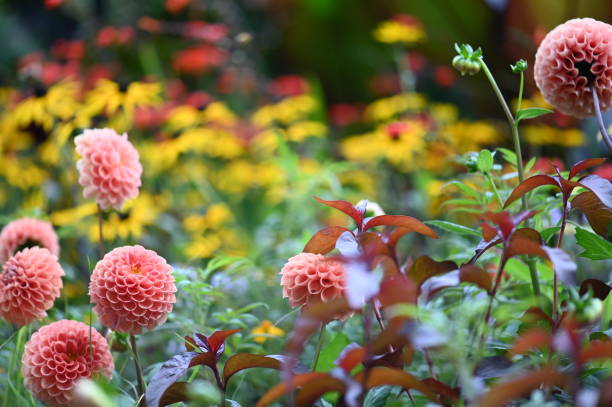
pixel 406 222
pixel 219 337
pixel 282 388
pixel 373 245
pixel 351 357
pixel 529 184
pixel 396 235
pixel 598 214
pixel 471 273
pixel 521 245
pixel 397 290
pixel 387 264
pixel 384 376
pixel 241 361
pixel 425 267
pixel 584 165
pixel 391 336
pixel 447 395
pixel 176 393
pixel 190 344
pixel 345 207
pixel 537 314
pixel 324 241
pixel 488 232
pixel 534 338
pixel 596 350
pixel 167 375
pixel 605 392
pixel 315 389
pixel 599 288
pixel 528 233
pixel 504 392
pixel 600 187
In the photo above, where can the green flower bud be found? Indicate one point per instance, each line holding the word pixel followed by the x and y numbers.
pixel 520 66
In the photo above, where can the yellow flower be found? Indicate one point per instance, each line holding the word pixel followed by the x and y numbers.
pixel 216 216
pixel 470 136
pixel 393 31
pixel 285 112
pixel 398 143
pixel 183 117
pixel 74 289
pixel 74 215
pixel 108 97
pixel 59 102
pixel 542 134
pixel 265 330
pixel 202 247
pixel 210 141
pixel 22 173
pixel 301 130
pixel 362 182
pixel 387 108
pixel 444 112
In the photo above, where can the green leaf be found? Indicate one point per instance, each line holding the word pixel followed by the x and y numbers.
pixel 595 247
pixel 377 397
pixel 530 164
pixel 531 113
pixel 485 161
pixel 509 156
pixel 468 190
pixel 453 227
pixel 331 351
pixel 549 232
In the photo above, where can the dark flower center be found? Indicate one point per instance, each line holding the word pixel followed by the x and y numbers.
pixel 28 244
pixel 584 69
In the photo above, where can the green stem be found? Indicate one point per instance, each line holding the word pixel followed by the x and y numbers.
pixel 139 375
pixel 520 95
pixel 600 122
pixel 406 76
pixel 11 367
pixel 497 195
pixel 319 347
pixel 519 156
pixel 100 233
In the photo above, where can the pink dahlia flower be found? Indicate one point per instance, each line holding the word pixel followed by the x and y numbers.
pixel 27 231
pixel 109 168
pixel 133 289
pixel 310 277
pixel 571 58
pixel 58 355
pixel 30 282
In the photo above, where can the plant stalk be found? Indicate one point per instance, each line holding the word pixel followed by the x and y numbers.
pixel 600 122
pixel 315 360
pixel 139 375
pixel 100 233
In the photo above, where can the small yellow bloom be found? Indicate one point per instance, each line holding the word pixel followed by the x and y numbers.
pixel 388 108
pixel 543 134
pixel 265 330
pixel 399 31
pixel 301 130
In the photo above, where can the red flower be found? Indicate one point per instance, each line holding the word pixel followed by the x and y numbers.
pixel 198 59
pixel 288 85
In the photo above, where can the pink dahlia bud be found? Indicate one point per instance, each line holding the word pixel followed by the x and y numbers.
pixel 132 288
pixel 58 355
pixel 109 168
pixel 572 57
pixel 30 282
pixel 27 232
pixel 310 277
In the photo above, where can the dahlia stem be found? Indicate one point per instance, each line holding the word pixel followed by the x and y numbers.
pixel 319 347
pixel 555 310
pixel 139 375
pixel 100 233
pixel 600 122
pixel 535 283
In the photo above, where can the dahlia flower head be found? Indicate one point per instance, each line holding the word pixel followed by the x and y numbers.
pixel 109 168
pixel 308 278
pixel 58 355
pixel 571 58
pixel 27 231
pixel 30 282
pixel 132 289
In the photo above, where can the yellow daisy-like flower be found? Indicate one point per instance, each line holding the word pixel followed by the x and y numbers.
pixel 183 117
pixel 210 141
pixel 22 173
pixel 265 331
pixel 303 129
pixel 402 29
pixel 58 102
pixel 542 134
pixel 398 143
pixel 202 247
pixel 466 136
pixel 216 216
pixel 108 97
pixel 285 112
pixel 388 108
pixel 74 215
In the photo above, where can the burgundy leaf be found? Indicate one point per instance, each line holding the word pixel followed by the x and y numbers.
pixel 406 222
pixel 529 184
pixel 397 290
pixel 176 393
pixel 534 338
pixel 539 315
pixel 563 264
pixel 506 391
pixel 217 339
pixel 600 187
pixel 488 233
pixel 584 165
pixel 504 222
pixel 598 214
pixel 596 350
pixel 167 375
pixel 475 275
pixel 384 376
pixel 324 240
pixel 317 388
pixel 351 357
pixel 599 288
pixel 448 396
pixel 345 207
pixel 396 235
pixel 282 388
pixel 373 245
pixel 242 361
pixel 425 267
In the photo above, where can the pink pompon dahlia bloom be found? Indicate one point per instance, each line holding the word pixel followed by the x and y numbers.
pixel 133 289
pixel 58 355
pixel 309 277
pixel 30 282
pixel 28 232
pixel 573 57
pixel 109 168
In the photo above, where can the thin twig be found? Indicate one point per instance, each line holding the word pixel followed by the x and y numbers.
pixel 139 375
pixel 600 122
